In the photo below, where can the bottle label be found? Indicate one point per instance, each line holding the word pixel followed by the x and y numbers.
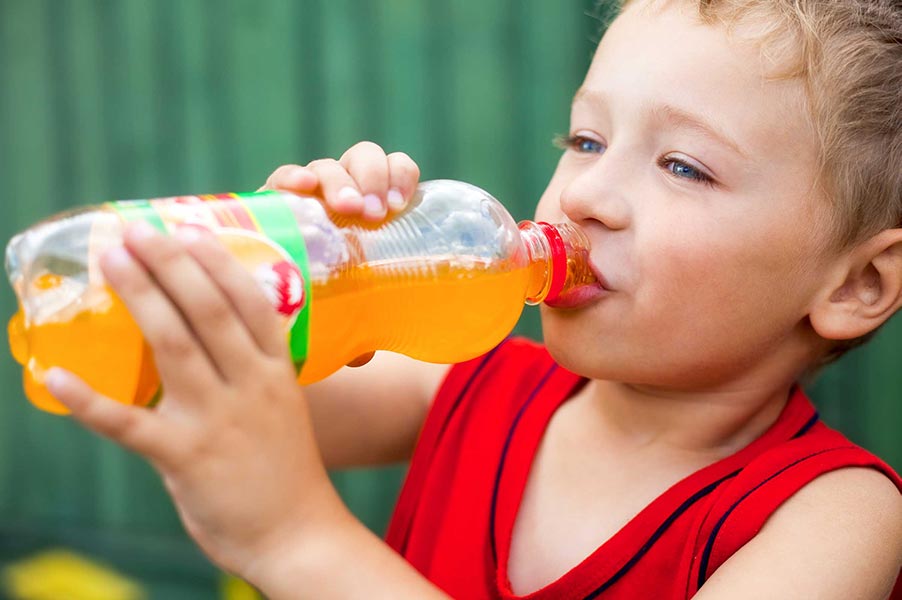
pixel 261 231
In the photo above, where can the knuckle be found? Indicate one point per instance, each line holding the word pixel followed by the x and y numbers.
pixel 368 147
pixel 331 174
pixel 165 259
pixel 277 175
pixel 166 253
pixel 401 158
pixel 372 175
pixel 172 342
pixel 404 166
pixel 213 311
pixel 323 163
pixel 283 169
pixel 134 286
pixel 120 426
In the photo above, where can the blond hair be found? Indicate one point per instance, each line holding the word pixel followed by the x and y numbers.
pixel 848 54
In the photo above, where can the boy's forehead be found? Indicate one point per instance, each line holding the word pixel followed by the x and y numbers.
pixel 660 56
pixel 761 25
pixel 670 34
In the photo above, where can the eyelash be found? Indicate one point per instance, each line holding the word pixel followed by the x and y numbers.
pixel 666 162
pixel 574 142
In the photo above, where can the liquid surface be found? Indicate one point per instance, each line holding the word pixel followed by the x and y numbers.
pixel 448 315
pixel 452 314
pixel 102 345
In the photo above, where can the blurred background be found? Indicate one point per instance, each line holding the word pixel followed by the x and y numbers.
pixel 116 99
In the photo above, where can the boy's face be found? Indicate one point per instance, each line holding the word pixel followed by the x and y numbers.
pixel 692 175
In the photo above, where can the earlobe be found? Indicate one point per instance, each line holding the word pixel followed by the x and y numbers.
pixel 866 291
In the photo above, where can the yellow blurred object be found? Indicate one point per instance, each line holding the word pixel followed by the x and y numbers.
pixel 237 589
pixel 61 574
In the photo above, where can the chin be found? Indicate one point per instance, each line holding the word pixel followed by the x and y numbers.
pixel 596 354
pixel 574 346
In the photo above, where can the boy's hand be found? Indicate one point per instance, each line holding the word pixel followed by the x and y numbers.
pixel 364 181
pixel 232 437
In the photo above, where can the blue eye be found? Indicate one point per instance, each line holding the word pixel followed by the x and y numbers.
pixel 586 145
pixel 684 171
pixel 580 144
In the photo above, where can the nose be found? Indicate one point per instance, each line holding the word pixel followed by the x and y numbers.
pixel 597 193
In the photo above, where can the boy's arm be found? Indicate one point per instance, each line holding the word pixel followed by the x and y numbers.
pixel 372 414
pixel 344 561
pixel 232 438
pixel 367 415
pixel 839 537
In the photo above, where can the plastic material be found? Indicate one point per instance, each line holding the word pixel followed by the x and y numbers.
pixel 444 281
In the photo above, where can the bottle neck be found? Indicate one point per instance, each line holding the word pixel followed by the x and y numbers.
pixel 558 260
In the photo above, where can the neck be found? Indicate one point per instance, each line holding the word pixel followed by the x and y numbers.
pixel 717 423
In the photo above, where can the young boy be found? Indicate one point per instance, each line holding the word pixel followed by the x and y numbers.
pixel 737 167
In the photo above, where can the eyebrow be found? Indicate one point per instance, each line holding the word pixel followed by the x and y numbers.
pixel 675 115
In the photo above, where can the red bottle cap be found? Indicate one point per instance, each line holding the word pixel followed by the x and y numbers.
pixel 558 260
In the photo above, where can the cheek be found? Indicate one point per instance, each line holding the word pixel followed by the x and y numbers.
pixel 549 207
pixel 709 286
pixel 546 208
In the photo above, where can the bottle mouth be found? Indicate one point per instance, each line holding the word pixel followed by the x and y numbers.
pixel 558 260
pixel 574 276
pixel 14 260
pixel 46 264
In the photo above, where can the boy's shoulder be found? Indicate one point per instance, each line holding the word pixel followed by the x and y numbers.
pixel 810 500
pixel 839 535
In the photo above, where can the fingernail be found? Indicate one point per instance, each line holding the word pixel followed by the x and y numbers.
pixel 187 234
pixel 117 257
pixel 350 199
pixel 395 199
pixel 55 380
pixel 373 207
pixel 141 230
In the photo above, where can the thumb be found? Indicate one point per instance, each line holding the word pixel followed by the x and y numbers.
pixel 137 429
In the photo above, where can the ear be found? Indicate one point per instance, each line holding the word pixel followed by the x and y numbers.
pixel 865 291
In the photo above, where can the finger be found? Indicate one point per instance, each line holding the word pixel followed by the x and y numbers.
pixel 367 164
pixel 404 174
pixel 337 188
pixel 138 429
pixel 181 362
pixel 207 312
pixel 292 178
pixel 239 286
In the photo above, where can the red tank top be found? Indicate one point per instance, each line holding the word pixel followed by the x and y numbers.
pixel 456 511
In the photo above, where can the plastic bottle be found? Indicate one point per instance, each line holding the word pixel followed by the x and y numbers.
pixel 443 281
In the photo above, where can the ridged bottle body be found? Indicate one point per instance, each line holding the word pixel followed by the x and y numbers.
pixel 442 282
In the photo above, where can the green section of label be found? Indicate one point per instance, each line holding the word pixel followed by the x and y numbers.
pixel 266 212
pixel 276 221
pixel 135 210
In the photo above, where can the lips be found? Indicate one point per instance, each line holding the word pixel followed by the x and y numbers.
pixel 599 275
pixel 584 295
pixel 579 297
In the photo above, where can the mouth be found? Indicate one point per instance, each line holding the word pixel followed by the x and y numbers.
pixel 584 295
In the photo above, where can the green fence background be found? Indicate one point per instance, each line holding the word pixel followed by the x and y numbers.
pixel 108 99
